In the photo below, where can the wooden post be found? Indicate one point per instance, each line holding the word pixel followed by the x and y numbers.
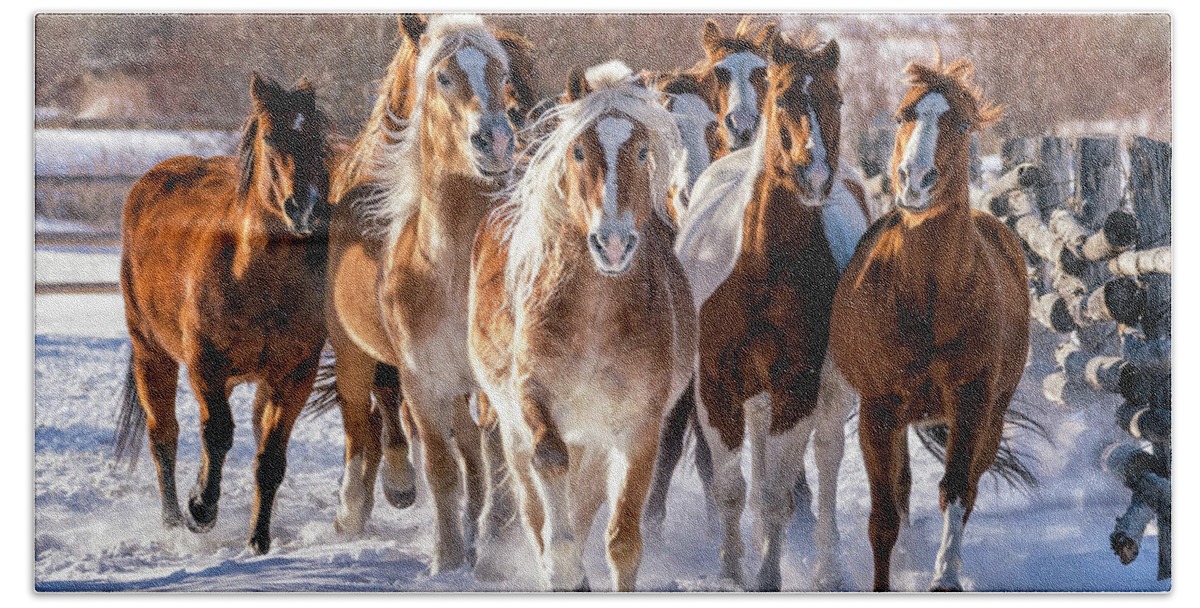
pixel 1099 179
pixel 1056 159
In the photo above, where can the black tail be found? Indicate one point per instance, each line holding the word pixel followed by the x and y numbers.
pixel 131 422
pixel 324 396
pixel 1010 464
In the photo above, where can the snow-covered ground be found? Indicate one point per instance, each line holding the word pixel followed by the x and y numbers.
pixel 97 523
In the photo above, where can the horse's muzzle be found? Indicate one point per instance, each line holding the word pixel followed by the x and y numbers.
pixel 612 250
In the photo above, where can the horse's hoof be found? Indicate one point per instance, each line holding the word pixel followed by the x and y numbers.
pixel 769 581
pixel 584 586
pixel 401 499
pixel 447 561
pixel 200 517
pixel 259 546
pixel 944 587
pixel 549 452
pixel 172 519
pixel 342 527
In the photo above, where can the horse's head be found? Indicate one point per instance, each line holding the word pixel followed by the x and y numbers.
pixel 935 119
pixel 462 77
pixel 687 102
pixel 284 154
pixel 734 74
pixel 803 113
pixel 621 159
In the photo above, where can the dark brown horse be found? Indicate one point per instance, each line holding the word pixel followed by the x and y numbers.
pixel 223 270
pixel 931 319
pixel 762 271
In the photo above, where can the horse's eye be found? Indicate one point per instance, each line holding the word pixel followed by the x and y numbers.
pixel 443 79
pixel 643 152
pixel 780 103
pixel 964 126
pixel 722 74
pixel 579 153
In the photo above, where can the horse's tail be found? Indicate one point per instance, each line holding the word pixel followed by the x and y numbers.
pixel 1011 464
pixel 131 421
pixel 324 396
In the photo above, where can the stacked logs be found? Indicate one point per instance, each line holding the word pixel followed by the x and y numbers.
pixel 1098 249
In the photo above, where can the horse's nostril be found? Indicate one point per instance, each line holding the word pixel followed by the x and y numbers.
pixel 594 241
pixel 929 179
pixel 482 140
pixel 729 122
pixel 631 244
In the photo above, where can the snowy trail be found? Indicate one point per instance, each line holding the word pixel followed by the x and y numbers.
pixel 98 529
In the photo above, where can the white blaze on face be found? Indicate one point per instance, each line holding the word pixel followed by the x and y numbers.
pixel 692 116
pixel 613 133
pixel 742 96
pixel 818 171
pixel 473 62
pixel 299 122
pixel 918 157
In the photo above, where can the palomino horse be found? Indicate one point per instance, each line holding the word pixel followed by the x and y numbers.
pixel 356 248
pixel 733 75
pixel 760 253
pixel 582 323
pixel 931 319
pixel 399 262
pixel 223 270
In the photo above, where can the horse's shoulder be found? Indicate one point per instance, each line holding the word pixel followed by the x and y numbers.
pixel 488 254
pixel 1002 239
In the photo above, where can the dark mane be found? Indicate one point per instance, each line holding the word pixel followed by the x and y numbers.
pixel 246 157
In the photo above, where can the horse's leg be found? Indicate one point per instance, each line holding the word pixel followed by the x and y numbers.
pixel 728 485
pixel 355 375
pixel 468 439
pixel 704 470
pixel 674 429
pixel 834 400
pixel 563 553
pixel 208 378
pixel 155 375
pixel 531 499
pixel 878 430
pixel 624 529
pixel 433 414
pixel 500 526
pixel 589 476
pixel 287 398
pixel 784 455
pixel 261 397
pixel 397 474
pixel 974 437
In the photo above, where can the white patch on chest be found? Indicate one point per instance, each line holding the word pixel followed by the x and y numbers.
pixel 741 92
pixel 613 133
pixel 473 62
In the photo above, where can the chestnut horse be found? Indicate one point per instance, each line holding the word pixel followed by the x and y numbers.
pixel 582 325
pixel 931 319
pixel 399 262
pixel 223 270
pixel 733 76
pixel 760 247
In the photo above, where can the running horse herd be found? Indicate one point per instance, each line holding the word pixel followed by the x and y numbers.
pixel 555 292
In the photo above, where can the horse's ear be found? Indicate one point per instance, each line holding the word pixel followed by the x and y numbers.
pixel 412 25
pixel 263 89
pixel 767 35
pixel 829 56
pixel 306 86
pixel 577 84
pixel 781 53
pixel 711 35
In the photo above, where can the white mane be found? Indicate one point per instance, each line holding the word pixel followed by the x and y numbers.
pixel 537 207
pixel 396 167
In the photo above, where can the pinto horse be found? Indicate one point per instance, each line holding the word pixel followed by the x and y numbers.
pixel 758 248
pixel 582 325
pixel 733 76
pixel 931 319
pixel 223 270
pixel 399 262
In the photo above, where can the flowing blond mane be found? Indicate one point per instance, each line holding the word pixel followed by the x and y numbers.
pixel 395 162
pixel 536 209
